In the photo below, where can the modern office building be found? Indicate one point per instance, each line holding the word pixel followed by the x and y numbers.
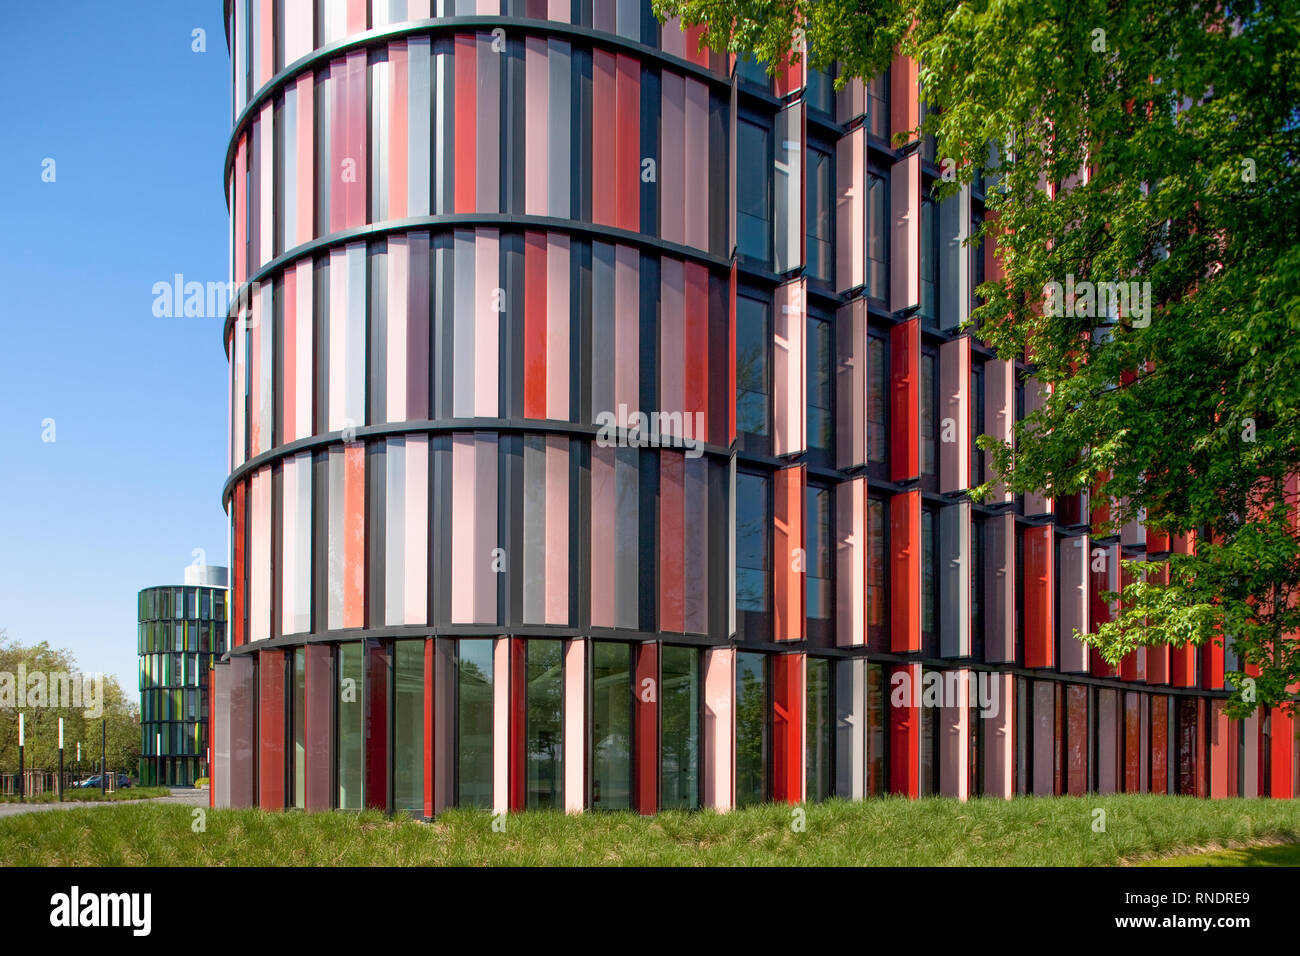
pixel 182 632
pixel 600 432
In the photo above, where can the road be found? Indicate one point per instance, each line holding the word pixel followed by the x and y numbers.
pixel 186 796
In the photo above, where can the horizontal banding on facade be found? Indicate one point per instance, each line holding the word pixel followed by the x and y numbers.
pixel 436 28
pixel 450 590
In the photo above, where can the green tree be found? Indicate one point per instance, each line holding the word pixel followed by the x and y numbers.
pixel 1187 120
pixel 41 723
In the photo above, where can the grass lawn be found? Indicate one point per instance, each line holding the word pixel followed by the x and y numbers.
pixel 92 795
pixel 1284 854
pixel 881 832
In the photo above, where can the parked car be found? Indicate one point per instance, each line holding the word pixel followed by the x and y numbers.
pixel 93 781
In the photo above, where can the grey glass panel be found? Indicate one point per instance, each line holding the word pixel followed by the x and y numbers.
pixel 544 739
pixel 753 72
pixel 351 713
pixel 751 728
pixel 680 728
pixel 821 232
pixel 408 725
pixel 877 400
pixel 928 420
pixel 611 726
pixel 754 192
pixel 820 384
pixel 752 378
pixel 820 730
pixel 819 93
pixel 929 262
pixel 474 665
pixel 819 544
pixel 877 237
pixel 753 543
pixel 534 530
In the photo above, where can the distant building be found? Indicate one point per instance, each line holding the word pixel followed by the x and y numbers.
pixel 181 630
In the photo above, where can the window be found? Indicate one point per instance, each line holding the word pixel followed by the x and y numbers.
pixel 753 552
pixel 877 782
pixel 929 310
pixel 1020 594
pixel 754 192
pixel 753 338
pixel 877 400
pixel 877 575
pixel 977 545
pixel 351 724
pixel 408 725
pixel 929 744
pixel 877 237
pixel 878 106
pixel 929 146
pixel 819 92
pixel 680 728
pixel 543 739
pixel 821 225
pixel 976 423
pixel 821 391
pixel 929 419
pixel 819 541
pixel 474 665
pixel 753 73
pixel 820 730
pixel 752 735
pixel 611 725
pixel 929 581
pixel 975 755
pixel 976 252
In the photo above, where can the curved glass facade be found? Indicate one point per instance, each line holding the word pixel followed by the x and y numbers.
pixel 182 630
pixel 593 416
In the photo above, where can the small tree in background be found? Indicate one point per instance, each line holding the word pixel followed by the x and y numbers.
pixel 41 723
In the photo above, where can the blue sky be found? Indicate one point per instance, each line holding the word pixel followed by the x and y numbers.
pixel 137 124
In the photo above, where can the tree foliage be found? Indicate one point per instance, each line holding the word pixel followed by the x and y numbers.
pixel 1137 141
pixel 41 724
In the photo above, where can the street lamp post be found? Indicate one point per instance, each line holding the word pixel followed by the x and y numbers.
pixel 103 755
pixel 21 741
pixel 157 749
pixel 60 760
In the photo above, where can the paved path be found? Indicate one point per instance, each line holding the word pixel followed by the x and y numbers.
pixel 186 796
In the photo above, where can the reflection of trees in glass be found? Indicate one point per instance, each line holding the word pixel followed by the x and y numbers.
pixel 820 383
pixel 408 725
pixel 877 400
pixel 875 729
pixel 611 725
pixel 751 365
pixel 679 718
pixel 752 543
pixel 751 729
pixel 819 729
pixel 474 723
pixel 351 725
pixel 543 739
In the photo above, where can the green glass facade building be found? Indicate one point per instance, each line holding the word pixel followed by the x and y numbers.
pixel 182 629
